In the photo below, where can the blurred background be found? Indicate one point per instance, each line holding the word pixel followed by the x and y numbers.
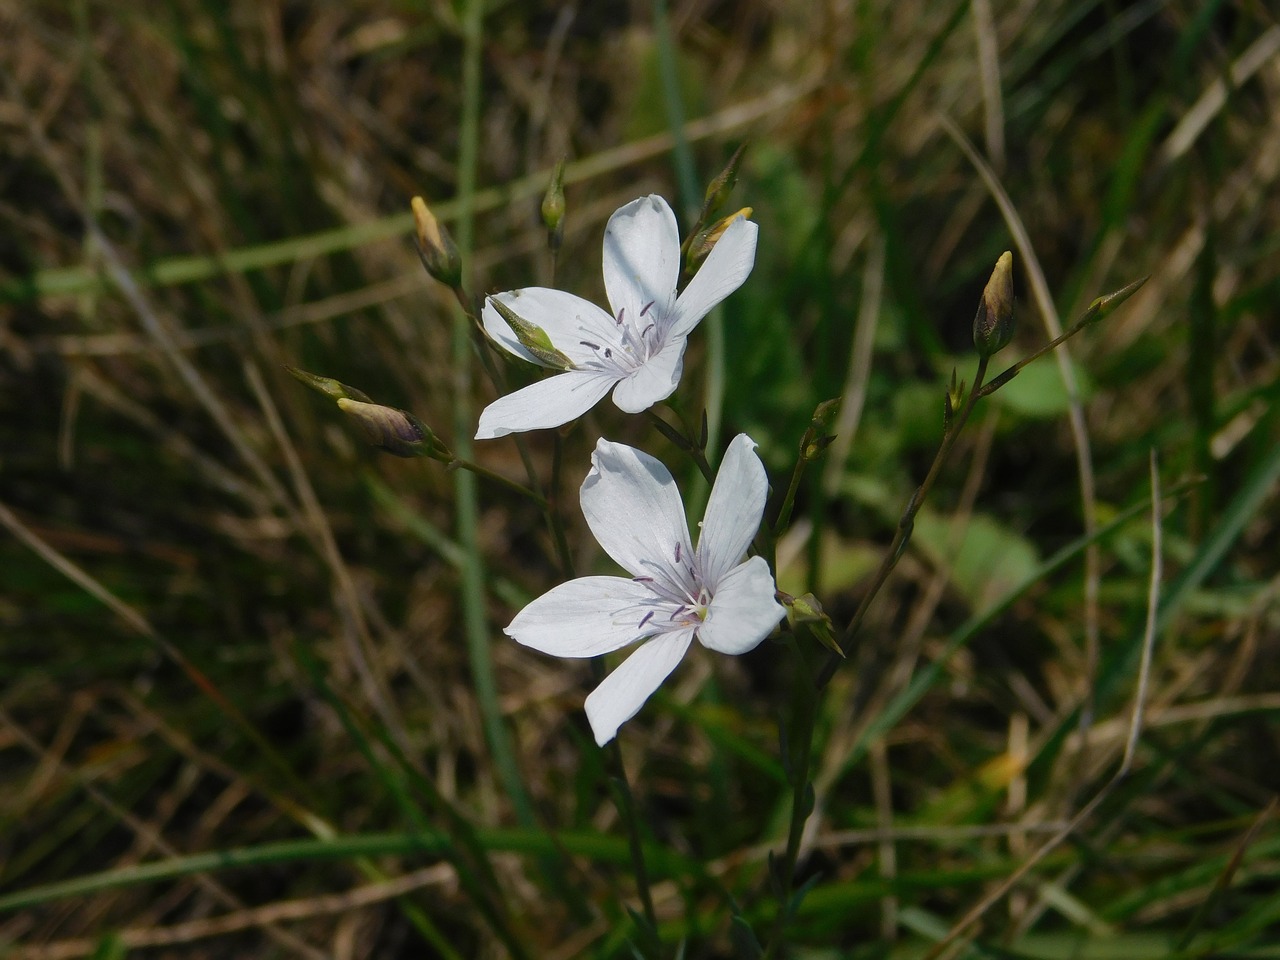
pixel 227 625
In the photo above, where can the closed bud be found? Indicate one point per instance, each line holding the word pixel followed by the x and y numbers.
pixel 705 241
pixel 553 208
pixel 808 611
pixel 398 432
pixel 993 323
pixel 719 189
pixel 436 248
pixel 327 385
pixel 532 337
pixel 814 449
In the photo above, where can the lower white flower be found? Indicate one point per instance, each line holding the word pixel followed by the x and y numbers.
pixel 676 593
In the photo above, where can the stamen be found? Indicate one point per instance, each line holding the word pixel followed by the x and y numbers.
pixel 647 306
pixel 608 354
pixel 588 343
pixel 642 579
pixel 677 553
pixel 647 617
pixel 645 332
pixel 621 311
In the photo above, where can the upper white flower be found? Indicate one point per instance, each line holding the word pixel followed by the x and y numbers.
pixel 675 593
pixel 640 345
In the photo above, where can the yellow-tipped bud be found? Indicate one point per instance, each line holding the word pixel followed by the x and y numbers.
pixel 553 208
pixel 993 323
pixel 398 432
pixel 705 242
pixel 436 248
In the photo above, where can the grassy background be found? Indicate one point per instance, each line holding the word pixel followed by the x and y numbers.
pixel 228 629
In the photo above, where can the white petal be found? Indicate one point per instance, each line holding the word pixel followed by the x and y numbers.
pixel 733 510
pixel 743 610
pixel 585 617
pixel 726 268
pixel 654 380
pixel 623 692
pixel 567 320
pixel 641 257
pixel 634 509
pixel 547 403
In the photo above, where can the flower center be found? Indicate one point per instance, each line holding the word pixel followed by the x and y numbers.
pixel 635 341
pixel 680 598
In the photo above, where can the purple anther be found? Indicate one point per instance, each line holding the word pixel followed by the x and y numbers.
pixel 647 617
pixel 647 306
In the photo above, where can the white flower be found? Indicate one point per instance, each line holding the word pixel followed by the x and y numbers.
pixel 675 592
pixel 640 346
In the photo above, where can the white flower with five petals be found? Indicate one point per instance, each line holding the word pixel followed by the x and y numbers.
pixel 638 350
pixel 676 593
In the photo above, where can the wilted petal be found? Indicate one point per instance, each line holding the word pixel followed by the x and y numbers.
pixel 568 321
pixel 726 268
pixel 585 617
pixel 743 610
pixel 634 509
pixel 641 256
pixel 655 380
pixel 733 510
pixel 623 692
pixel 547 403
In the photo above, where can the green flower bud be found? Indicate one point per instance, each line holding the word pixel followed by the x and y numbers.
pixel 436 248
pixel 398 432
pixel 993 324
pixel 553 208
pixel 532 337
pixel 719 189
pixel 808 611
pixel 328 386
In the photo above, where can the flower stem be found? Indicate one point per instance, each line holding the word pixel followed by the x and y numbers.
pixel 459 463
pixel 685 443
pixel 474 614
pixel 806 709
pixel 906 523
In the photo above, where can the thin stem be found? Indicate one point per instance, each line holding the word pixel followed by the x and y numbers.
pixel 907 522
pixel 458 463
pixel 627 810
pixel 475 625
pixel 555 519
pixel 788 501
pixel 685 443
pixel 805 712
pixel 807 707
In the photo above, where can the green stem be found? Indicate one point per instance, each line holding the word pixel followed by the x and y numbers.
pixel 475 623
pixel 458 463
pixel 685 443
pixel 627 809
pixel 907 521
pixel 555 518
pixel 808 705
